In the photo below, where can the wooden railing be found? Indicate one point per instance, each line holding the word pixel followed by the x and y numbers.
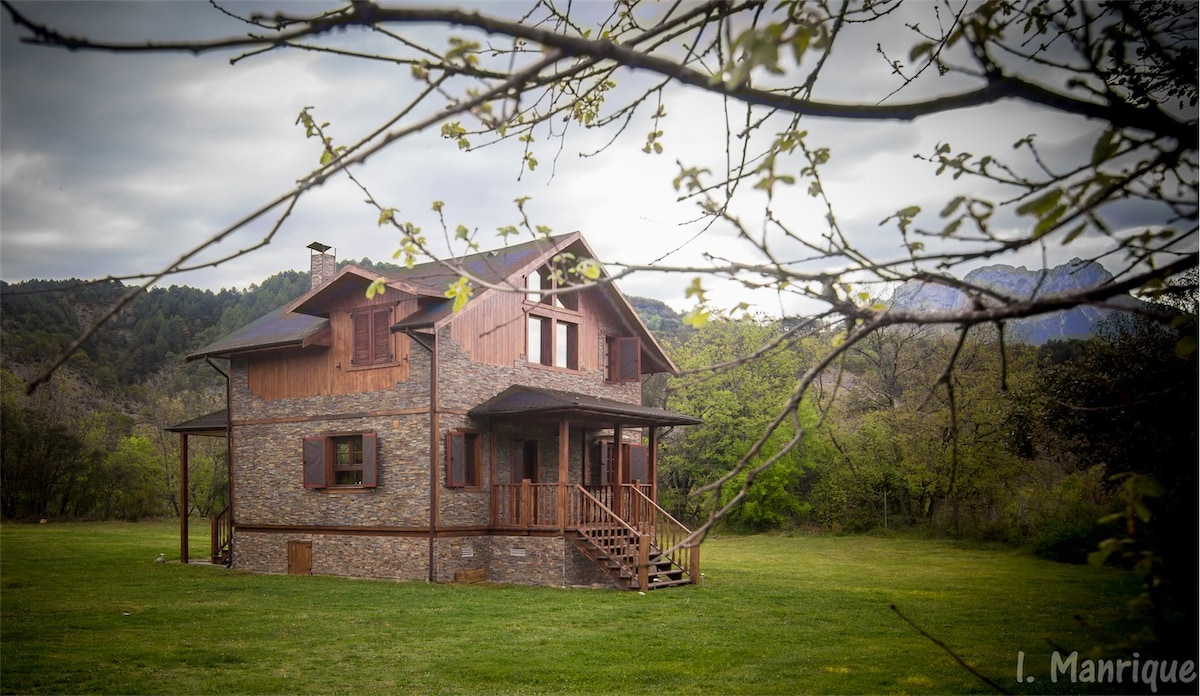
pixel 525 505
pixel 666 533
pixel 597 522
pixel 222 536
pixel 621 519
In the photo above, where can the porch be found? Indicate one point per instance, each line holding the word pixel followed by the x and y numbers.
pixel 606 503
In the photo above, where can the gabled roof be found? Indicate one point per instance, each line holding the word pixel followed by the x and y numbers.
pixel 526 402
pixel 303 321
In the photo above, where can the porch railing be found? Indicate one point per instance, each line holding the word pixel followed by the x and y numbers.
pixel 222 536
pixel 666 533
pixel 525 505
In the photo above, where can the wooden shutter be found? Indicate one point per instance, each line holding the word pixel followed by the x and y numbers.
pixel 381 341
pixel 370 459
pixel 624 360
pixel 314 462
pixel 456 457
pixel 639 463
pixel 362 339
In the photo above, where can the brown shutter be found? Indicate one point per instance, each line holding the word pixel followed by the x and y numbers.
pixel 314 462
pixel 370 458
pixel 362 339
pixel 639 460
pixel 474 460
pixel 455 458
pixel 625 360
pixel 381 343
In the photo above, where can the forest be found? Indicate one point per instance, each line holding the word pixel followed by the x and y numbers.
pixel 1015 444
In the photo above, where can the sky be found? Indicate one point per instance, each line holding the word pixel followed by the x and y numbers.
pixel 114 164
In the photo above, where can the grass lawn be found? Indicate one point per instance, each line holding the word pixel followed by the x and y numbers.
pixel 84 609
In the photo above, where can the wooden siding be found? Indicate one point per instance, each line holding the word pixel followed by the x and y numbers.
pixel 493 328
pixel 327 370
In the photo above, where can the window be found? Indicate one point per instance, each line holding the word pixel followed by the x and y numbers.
pixel 602 467
pixel 546 279
pixel 553 342
pixel 624 359
pixel 372 337
pixel 463 459
pixel 340 461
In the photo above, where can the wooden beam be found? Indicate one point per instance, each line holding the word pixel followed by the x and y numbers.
pixel 652 463
pixel 619 465
pixel 183 498
pixel 564 458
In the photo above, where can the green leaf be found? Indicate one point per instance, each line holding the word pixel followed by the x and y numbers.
pixel 1042 204
pixel 377 286
pixel 954 204
pixel 1106 146
pixel 696 318
pixel 386 216
pixel 1074 233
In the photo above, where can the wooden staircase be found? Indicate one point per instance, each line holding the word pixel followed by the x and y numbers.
pixel 618 556
pixel 631 551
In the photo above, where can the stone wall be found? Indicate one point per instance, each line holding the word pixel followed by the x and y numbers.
pixel 394 558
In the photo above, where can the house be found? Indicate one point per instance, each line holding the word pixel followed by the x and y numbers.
pixel 393 437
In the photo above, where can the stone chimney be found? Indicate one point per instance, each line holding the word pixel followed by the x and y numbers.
pixel 322 266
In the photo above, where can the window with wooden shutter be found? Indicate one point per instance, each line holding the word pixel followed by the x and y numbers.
pixel 314 462
pixel 624 359
pixel 341 461
pixel 372 338
pixel 463 459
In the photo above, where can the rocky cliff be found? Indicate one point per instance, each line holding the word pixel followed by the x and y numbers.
pixel 1019 284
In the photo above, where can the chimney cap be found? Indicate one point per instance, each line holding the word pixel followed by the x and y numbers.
pixel 319 247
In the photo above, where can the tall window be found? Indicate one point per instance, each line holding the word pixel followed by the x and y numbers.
pixel 340 461
pixel 372 337
pixel 553 342
pixel 463 460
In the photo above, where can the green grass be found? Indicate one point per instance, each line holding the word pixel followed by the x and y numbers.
pixel 83 608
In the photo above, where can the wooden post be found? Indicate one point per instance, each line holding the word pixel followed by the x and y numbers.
pixel 652 464
pixel 564 458
pixel 643 561
pixel 694 564
pixel 526 504
pixel 619 471
pixel 183 498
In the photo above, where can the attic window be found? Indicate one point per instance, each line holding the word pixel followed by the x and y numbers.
pixel 547 279
pixel 372 338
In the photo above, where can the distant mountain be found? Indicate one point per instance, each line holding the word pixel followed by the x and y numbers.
pixel 1020 284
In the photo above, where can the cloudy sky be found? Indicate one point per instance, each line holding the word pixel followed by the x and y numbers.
pixel 115 164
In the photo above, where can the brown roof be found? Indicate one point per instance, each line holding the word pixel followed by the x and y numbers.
pixel 523 403
pixel 209 424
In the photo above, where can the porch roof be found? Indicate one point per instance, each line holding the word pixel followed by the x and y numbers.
pixel 522 403
pixel 209 424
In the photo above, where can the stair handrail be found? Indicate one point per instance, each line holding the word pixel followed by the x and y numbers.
pixel 222 534
pixel 668 535
pixel 607 525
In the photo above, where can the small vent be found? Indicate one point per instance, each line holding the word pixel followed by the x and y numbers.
pixel 468 552
pixel 518 552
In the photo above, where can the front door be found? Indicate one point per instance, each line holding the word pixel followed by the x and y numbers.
pixel 525 461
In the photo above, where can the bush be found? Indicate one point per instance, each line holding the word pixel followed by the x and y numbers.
pixel 1067 541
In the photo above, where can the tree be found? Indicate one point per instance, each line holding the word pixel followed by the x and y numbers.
pixel 1122 74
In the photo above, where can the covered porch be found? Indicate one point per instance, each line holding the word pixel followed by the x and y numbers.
pixel 215 424
pixel 604 494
